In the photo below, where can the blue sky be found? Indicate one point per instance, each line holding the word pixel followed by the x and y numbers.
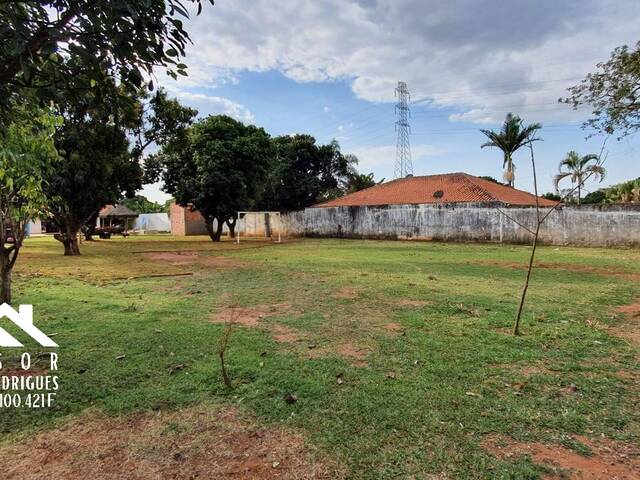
pixel 329 68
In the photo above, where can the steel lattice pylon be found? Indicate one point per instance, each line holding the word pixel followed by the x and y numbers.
pixel 403 166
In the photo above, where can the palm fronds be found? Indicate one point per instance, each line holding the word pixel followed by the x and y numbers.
pixel 579 168
pixel 512 136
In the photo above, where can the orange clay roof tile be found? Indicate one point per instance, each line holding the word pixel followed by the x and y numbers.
pixel 445 188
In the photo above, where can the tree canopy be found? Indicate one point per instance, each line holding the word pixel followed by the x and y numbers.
pixel 99 165
pixel 141 204
pixel 161 119
pixel 218 167
pixel 626 192
pixel 613 92
pixel 49 43
pixel 359 181
pixel 303 173
pixel 578 168
pixel 27 156
pixel 513 135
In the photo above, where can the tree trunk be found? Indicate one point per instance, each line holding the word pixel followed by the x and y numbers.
pixel 523 296
pixel 217 233
pixel 579 193
pixel 231 223
pixel 70 240
pixel 90 228
pixel 5 274
pixel 75 247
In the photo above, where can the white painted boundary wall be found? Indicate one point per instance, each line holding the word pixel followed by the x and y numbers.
pixel 589 225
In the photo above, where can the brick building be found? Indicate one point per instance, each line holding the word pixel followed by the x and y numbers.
pixel 185 221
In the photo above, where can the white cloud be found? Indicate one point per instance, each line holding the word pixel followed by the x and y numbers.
pixel 385 155
pixel 211 105
pixel 326 109
pixel 486 58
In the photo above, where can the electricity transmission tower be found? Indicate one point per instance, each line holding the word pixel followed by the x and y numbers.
pixel 403 166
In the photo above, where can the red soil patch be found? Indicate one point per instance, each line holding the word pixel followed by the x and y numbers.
pixel 284 334
pixel 630 329
pixel 393 328
pixel 347 293
pixel 354 353
pixel 632 310
pixel 194 258
pixel 191 443
pixel 610 460
pixel 248 316
pixel 347 350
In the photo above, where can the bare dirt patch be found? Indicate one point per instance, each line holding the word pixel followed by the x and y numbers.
pixel 393 328
pixel 249 316
pixel 528 370
pixel 610 460
pixel 346 293
pixel 283 334
pixel 355 354
pixel 629 329
pixel 632 310
pixel 195 258
pixel 192 443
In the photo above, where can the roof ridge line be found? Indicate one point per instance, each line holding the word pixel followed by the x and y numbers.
pixel 472 180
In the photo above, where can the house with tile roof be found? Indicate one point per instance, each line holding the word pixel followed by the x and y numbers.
pixel 448 188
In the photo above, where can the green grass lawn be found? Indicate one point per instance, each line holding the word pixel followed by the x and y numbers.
pixel 418 334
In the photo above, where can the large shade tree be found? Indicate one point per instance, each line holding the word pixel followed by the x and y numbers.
pixel 578 168
pixel 612 92
pixel 27 155
pixel 99 164
pixel 105 134
pixel 303 172
pixel 161 119
pixel 513 135
pixel 217 167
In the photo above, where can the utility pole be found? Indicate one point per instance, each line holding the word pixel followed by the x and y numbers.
pixel 403 167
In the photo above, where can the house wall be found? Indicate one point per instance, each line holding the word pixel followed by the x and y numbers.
pixel 589 225
pixel 186 222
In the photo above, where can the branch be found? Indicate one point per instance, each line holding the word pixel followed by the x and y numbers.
pixel 40 38
pixel 515 221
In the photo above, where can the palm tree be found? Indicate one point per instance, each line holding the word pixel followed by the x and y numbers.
pixel 513 135
pixel 579 168
pixel 625 192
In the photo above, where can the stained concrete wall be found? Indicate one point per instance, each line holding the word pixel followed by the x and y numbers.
pixel 597 225
pixel 259 224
